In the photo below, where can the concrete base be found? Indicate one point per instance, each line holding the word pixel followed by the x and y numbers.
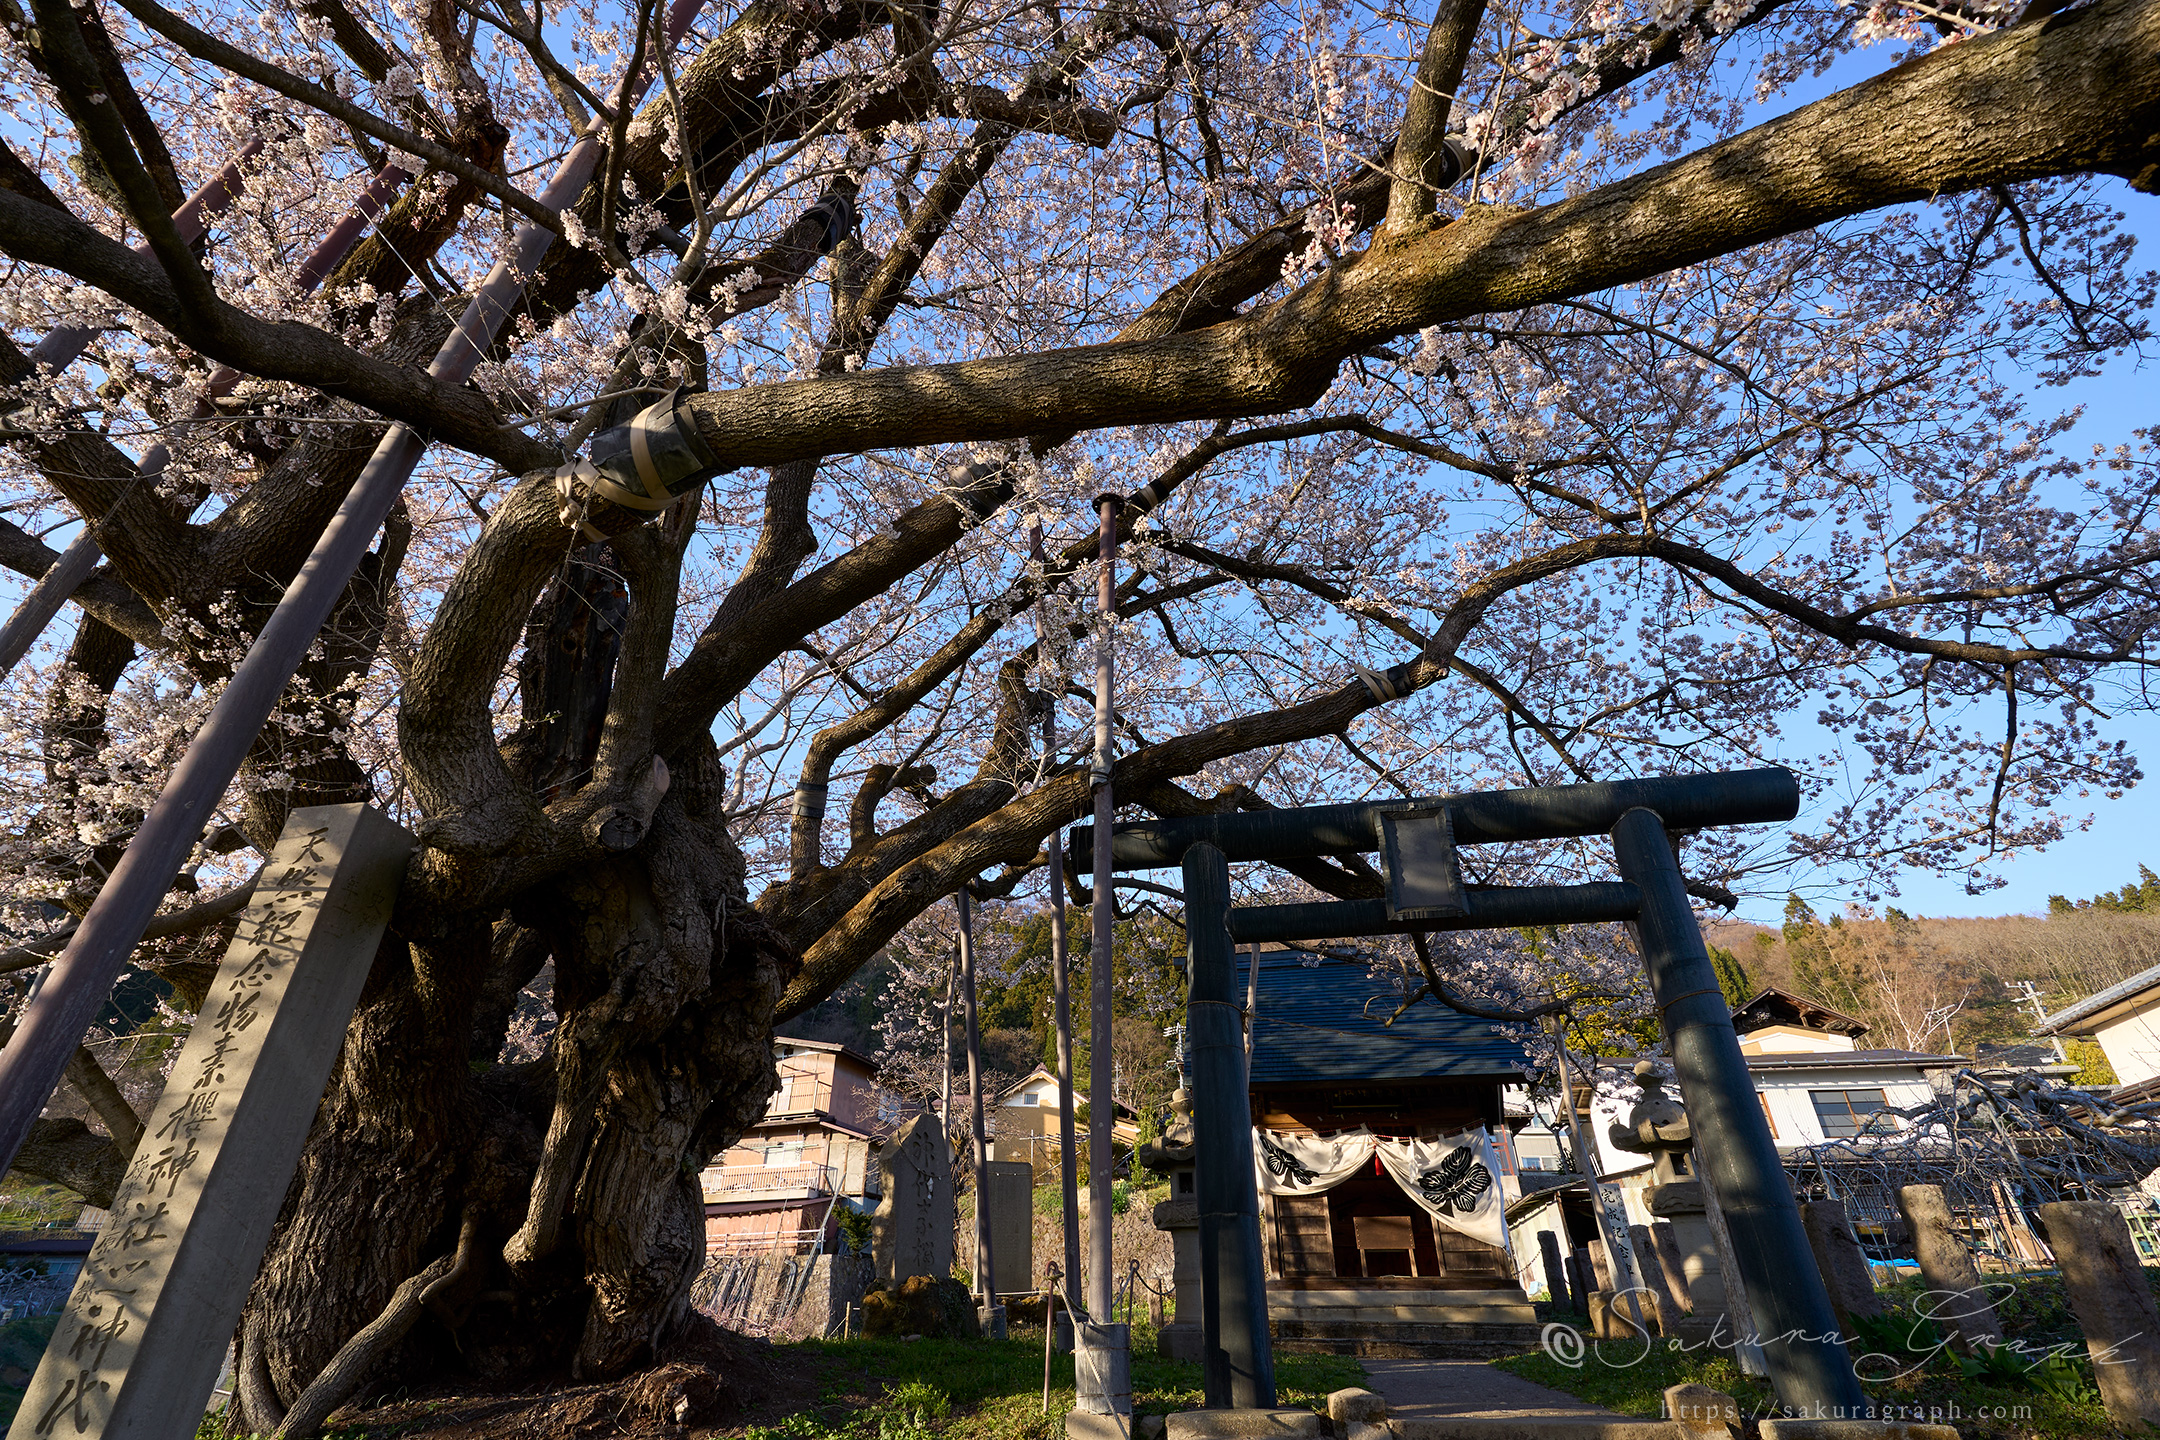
pixel 1247 1425
pixel 1854 1430
pixel 1084 1425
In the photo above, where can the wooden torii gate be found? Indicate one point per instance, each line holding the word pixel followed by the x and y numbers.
pixel 1417 841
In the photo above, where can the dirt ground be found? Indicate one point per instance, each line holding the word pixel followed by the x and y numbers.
pixel 711 1382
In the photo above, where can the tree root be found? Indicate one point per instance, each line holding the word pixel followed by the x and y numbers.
pixel 359 1355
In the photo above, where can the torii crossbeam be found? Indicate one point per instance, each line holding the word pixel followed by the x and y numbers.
pixel 1417 840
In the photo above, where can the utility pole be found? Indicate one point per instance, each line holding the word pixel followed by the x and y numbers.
pixel 2029 993
pixel 1060 957
pixel 985 1279
pixel 1102 1106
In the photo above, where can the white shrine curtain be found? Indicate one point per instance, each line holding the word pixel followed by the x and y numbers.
pixel 1307 1164
pixel 1456 1180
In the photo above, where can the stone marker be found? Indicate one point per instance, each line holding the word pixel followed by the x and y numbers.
pixel 911 1232
pixel 1702 1411
pixel 1665 1244
pixel 1598 1264
pixel 1008 1192
pixel 1844 1269
pixel 1579 1284
pixel 145 1331
pixel 1555 1272
pixel 2113 1304
pixel 1653 1279
pixel 1961 1307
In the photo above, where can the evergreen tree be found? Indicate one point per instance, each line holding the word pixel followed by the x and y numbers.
pixel 1732 976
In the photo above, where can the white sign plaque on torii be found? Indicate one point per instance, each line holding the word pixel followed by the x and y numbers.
pixel 138 1350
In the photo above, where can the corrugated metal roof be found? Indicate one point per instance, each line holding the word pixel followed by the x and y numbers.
pixel 1327 1023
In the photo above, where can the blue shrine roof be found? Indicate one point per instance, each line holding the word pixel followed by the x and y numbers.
pixel 1323 1019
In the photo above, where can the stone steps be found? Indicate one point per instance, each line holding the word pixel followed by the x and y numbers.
pixel 1386 1340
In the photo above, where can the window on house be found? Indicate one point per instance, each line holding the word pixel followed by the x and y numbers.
pixel 1772 1119
pixel 1027 1097
pixel 1851 1112
pixel 784 1152
pixel 783 1099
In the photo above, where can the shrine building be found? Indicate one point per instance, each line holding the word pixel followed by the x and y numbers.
pixel 1358 1263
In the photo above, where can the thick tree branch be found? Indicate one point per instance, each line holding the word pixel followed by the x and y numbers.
pixel 274 350
pixel 1424 164
pixel 2080 93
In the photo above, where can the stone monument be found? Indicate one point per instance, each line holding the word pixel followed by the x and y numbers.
pixel 1962 1306
pixel 1008 1190
pixel 139 1348
pixel 2113 1301
pixel 1659 1128
pixel 911 1232
pixel 1838 1255
pixel 1179 1217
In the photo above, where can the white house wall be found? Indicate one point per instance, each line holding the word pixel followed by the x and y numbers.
pixel 1792 1109
pixel 2132 1043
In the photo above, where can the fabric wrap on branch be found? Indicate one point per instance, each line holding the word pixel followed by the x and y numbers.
pixel 1455 1179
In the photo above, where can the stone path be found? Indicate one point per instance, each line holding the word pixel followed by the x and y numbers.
pixel 1432 1389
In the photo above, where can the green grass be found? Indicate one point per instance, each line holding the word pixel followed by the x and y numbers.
pixel 29 1207
pixel 993 1389
pixel 22 1343
pixel 2057 1403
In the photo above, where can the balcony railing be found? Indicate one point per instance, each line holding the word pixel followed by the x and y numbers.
pixel 742 1181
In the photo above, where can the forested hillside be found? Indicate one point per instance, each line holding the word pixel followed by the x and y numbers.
pixel 1928 983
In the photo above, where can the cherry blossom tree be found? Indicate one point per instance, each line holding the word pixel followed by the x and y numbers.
pixel 1496 398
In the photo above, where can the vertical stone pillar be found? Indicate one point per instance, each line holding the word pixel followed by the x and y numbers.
pixel 1665 1244
pixel 2114 1306
pixel 1653 1279
pixel 1960 1306
pixel 1844 1269
pixel 145 1331
pixel 1580 1281
pixel 1179 1217
pixel 1555 1272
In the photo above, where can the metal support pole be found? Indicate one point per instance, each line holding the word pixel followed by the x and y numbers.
pixel 1060 957
pixel 1617 1251
pixel 1791 1309
pixel 1061 1016
pixel 1102 1103
pixel 47 596
pixel 985 1276
pixel 33 1061
pixel 1237 1362
pixel 61 348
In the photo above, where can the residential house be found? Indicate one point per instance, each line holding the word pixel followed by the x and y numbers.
pixel 1026 1125
pixel 780 1187
pixel 1829 1102
pixel 2125 1019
